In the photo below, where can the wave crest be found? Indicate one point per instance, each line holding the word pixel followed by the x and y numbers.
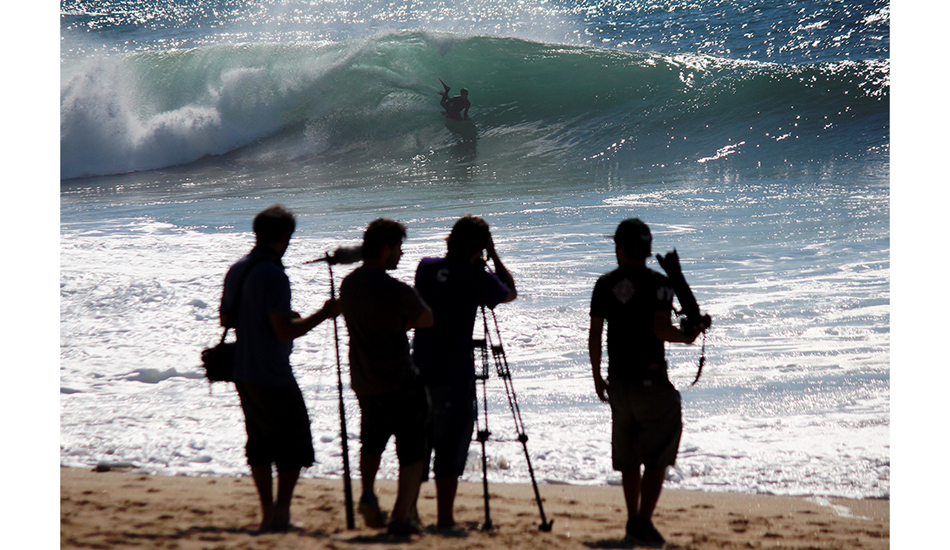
pixel 376 98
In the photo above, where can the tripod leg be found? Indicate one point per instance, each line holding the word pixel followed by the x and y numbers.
pixel 546 525
pixel 501 365
pixel 483 437
pixel 483 434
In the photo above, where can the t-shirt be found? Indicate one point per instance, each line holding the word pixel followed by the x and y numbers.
pixel 627 298
pixel 454 291
pixel 259 357
pixel 377 309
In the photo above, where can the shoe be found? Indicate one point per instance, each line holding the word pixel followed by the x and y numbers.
pixel 414 520
pixel 287 527
pixel 412 527
pixel 641 532
pixel 398 529
pixel 372 515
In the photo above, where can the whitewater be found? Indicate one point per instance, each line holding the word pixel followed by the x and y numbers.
pixel 753 137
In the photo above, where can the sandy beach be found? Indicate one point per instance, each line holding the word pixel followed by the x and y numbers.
pixel 128 509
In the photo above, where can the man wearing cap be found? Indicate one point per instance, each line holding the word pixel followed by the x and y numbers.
pixel 637 302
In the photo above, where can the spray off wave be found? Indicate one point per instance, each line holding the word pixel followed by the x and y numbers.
pixel 366 100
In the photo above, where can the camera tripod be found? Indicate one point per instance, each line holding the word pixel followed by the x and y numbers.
pixel 491 344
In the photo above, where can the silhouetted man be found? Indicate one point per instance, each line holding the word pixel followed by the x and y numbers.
pixel 256 302
pixel 379 311
pixel 637 302
pixel 455 286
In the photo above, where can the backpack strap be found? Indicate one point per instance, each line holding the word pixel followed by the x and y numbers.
pixel 235 306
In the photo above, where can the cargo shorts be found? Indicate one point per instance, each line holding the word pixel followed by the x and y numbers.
pixel 647 424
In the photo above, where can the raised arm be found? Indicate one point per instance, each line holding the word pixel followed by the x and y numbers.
pixel 501 271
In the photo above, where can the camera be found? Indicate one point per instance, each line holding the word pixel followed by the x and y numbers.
pixel 697 324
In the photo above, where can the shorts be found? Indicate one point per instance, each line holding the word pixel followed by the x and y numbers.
pixel 452 425
pixel 403 414
pixel 647 425
pixel 278 427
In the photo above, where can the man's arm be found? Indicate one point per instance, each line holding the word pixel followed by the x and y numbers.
pixel 288 327
pixel 501 271
pixel 226 303
pixel 664 329
pixel 595 351
pixel 424 320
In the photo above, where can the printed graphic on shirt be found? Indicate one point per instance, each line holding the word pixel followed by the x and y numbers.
pixel 664 294
pixel 623 291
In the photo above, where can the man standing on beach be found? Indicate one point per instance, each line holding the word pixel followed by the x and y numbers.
pixel 256 302
pixel 455 286
pixel 637 302
pixel 379 310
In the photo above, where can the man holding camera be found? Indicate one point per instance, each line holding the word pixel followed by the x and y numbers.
pixel 636 302
pixel 455 287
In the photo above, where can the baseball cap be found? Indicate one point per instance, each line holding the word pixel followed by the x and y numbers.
pixel 634 235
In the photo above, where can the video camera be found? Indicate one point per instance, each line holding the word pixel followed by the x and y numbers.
pixel 692 321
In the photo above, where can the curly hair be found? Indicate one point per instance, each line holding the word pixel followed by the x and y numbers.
pixel 272 224
pixel 469 236
pixel 378 234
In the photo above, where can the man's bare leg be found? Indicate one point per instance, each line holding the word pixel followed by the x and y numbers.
pixel 650 488
pixel 642 494
pixel 265 490
pixel 445 490
pixel 369 506
pixel 369 465
pixel 630 479
pixel 410 479
pixel 286 481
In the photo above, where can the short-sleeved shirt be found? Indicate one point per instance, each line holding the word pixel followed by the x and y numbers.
pixel 454 291
pixel 627 299
pixel 377 309
pixel 260 357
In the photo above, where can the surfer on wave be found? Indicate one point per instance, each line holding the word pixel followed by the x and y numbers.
pixel 456 107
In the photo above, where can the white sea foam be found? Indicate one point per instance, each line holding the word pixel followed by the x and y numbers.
pixel 794 398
